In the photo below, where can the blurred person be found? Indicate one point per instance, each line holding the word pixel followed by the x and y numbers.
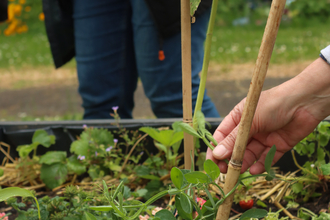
pixel 285 115
pixel 3 10
pixel 115 42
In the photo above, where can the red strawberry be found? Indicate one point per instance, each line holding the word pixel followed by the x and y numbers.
pixel 246 204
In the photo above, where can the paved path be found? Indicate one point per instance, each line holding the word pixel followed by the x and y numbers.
pixel 59 100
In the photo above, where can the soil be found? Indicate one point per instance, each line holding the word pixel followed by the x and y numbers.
pixel 44 91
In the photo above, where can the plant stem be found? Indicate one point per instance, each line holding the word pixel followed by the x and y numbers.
pixel 206 60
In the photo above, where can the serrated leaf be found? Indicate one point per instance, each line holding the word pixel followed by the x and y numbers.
pixel 79 147
pixel 253 213
pixel 75 166
pixel 325 169
pixel 320 154
pixel 196 177
pixel 177 177
pixel 42 137
pixel 211 169
pixel 165 214
pixel 53 157
pixel 269 158
pixel 53 175
pixel 25 150
pixel 297 187
pixel 193 6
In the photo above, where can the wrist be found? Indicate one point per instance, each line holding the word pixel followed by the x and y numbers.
pixel 312 89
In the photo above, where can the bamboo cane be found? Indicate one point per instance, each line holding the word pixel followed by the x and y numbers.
pixel 265 52
pixel 186 79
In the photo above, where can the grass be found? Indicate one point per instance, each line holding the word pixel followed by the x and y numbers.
pixel 238 44
pixel 241 44
pixel 231 44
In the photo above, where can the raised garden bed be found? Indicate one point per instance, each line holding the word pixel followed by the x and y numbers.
pixel 272 194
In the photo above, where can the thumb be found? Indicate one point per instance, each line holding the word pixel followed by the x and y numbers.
pixel 225 148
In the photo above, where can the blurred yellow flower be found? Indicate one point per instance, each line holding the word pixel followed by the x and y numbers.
pixel 22 2
pixel 41 16
pixel 18 10
pixel 22 29
pixel 27 8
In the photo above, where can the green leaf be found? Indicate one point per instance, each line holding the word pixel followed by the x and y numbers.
pixel 177 177
pixel 325 169
pixel 165 137
pixel 196 177
pixel 165 214
pixel 269 158
pixel 53 175
pixel 253 213
pixel 271 175
pixel 211 169
pixel 24 150
pixel 188 129
pixel 14 191
pixel 89 216
pixel 185 203
pixel 79 147
pixel 323 139
pixel 211 138
pixel 297 187
pixel 181 212
pixel 104 208
pixel 75 166
pixel 261 203
pixel 53 157
pixel 200 120
pixel 142 170
pixel 310 148
pixel 161 147
pixel 193 6
pixel 41 137
pixel 320 154
pixel 150 177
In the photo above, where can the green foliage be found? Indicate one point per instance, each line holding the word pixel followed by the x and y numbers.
pixel 317 167
pixel 40 137
pixel 304 10
pixel 9 192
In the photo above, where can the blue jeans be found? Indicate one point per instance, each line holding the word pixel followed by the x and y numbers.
pixel 116 43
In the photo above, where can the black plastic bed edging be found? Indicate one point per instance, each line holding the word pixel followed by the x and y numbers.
pixel 20 133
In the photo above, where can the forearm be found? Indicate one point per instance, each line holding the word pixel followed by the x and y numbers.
pixel 310 90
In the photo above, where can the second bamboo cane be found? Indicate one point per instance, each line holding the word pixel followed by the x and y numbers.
pixel 259 74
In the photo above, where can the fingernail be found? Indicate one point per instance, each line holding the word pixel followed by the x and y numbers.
pixel 220 151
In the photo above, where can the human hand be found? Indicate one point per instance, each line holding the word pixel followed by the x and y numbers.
pixel 284 116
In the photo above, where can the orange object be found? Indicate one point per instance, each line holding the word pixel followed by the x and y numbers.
pixel 161 55
pixel 41 16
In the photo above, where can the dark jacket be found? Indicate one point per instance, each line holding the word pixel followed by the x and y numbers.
pixel 3 10
pixel 59 24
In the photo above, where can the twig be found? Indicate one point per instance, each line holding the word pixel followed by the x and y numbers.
pixel 131 151
pixel 7 154
pixel 278 205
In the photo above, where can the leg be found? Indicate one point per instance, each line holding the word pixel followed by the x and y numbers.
pixel 162 80
pixel 105 57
